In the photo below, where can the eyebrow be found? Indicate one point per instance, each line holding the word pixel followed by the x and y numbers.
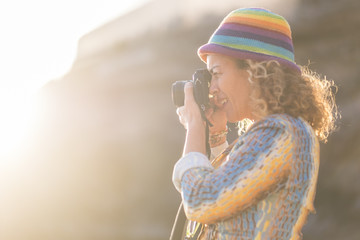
pixel 212 69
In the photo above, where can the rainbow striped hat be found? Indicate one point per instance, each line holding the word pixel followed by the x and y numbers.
pixel 253 33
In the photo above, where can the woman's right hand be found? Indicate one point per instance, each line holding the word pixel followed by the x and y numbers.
pixel 190 117
pixel 189 114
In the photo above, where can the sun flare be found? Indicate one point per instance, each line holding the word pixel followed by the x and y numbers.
pixel 39 44
pixel 16 116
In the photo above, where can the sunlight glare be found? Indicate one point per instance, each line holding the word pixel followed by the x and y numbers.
pixel 15 118
pixel 39 43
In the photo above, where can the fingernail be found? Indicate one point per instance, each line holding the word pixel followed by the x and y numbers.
pixel 188 84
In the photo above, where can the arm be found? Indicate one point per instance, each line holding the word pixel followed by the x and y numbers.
pixel 255 168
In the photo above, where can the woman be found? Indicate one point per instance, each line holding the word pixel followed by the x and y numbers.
pixel 263 185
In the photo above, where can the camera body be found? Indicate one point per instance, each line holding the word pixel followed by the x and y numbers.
pixel 201 81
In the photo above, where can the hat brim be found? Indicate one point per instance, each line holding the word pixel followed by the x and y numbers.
pixel 211 48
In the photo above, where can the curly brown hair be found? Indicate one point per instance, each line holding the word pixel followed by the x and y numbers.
pixel 276 89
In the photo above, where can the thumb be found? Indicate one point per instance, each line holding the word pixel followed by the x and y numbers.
pixel 189 93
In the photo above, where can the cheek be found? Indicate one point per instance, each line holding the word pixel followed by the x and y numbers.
pixel 241 93
pixel 227 85
pixel 235 86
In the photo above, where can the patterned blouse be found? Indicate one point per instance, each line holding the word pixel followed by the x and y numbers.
pixel 263 188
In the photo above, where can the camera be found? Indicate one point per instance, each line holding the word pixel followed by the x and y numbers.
pixel 201 82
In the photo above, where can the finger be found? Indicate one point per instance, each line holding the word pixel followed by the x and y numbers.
pixel 182 121
pixel 180 110
pixel 189 93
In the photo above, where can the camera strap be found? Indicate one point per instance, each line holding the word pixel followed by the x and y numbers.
pixel 207 126
pixel 208 149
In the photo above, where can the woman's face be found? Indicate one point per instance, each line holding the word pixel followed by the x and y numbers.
pixel 230 87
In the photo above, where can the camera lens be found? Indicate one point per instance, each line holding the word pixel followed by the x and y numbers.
pixel 177 93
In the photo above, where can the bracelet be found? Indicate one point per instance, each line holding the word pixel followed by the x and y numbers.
pixel 218 136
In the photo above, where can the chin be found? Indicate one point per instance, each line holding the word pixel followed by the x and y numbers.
pixel 233 119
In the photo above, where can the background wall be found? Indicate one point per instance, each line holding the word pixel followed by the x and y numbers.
pixel 98 164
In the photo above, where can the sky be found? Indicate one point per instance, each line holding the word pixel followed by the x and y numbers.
pixel 37 44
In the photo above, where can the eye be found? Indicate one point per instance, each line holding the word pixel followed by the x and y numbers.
pixel 215 71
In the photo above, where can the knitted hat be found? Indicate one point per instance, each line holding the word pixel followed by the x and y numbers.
pixel 252 33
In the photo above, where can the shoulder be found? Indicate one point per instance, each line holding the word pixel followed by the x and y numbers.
pixel 285 123
pixel 279 126
pixel 266 131
pixel 275 121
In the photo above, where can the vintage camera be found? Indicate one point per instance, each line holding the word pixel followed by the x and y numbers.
pixel 201 81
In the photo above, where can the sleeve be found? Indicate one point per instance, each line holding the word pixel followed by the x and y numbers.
pixel 193 160
pixel 257 165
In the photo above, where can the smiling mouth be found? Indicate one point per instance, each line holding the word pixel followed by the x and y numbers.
pixel 224 101
pixel 218 103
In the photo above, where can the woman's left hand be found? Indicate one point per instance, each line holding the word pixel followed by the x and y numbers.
pixel 217 117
